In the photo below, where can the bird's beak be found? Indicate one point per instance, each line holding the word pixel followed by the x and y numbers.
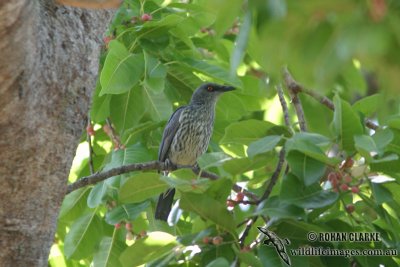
pixel 227 88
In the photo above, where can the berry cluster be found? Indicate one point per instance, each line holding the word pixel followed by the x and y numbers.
pixel 342 181
pixel 216 240
pixel 231 203
pixel 130 235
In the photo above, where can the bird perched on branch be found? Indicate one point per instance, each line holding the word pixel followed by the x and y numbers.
pixel 187 135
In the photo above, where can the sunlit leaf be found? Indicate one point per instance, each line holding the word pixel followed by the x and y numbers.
pixel 152 247
pixel 121 71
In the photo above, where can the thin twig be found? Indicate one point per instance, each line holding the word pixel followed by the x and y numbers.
pixel 275 176
pixel 294 88
pixel 110 131
pixel 147 166
pixel 320 98
pixel 101 176
pixel 89 141
pixel 284 105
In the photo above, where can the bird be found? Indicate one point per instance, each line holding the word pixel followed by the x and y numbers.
pixel 187 135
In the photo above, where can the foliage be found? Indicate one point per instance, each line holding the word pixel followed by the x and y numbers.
pixel 346 49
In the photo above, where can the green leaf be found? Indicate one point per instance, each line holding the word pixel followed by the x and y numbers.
pixel 100 108
pixel 193 185
pixel 128 109
pixel 200 204
pixel 311 197
pixel 121 71
pixel 274 208
pixel 226 13
pixel 83 237
pixel 158 106
pixel 263 145
pixel 101 191
pixel 168 21
pixel 310 144
pixel 346 124
pixel 382 139
pixel 213 71
pixel 245 132
pixel 306 168
pixel 215 159
pixel 140 187
pixel 108 253
pixel 155 73
pixel 381 194
pixel 150 248
pixel 241 42
pixel 368 105
pixel 250 259
pixel 133 134
pixel 74 204
pixel 219 262
pixel 366 146
pixel 127 212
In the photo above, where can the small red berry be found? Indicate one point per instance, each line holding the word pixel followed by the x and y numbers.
pixel 146 17
pixel 143 233
pixel 206 240
pixel 107 40
pixel 230 203
pixel 350 208
pixel 348 163
pixel 217 240
pixel 128 226
pixel 344 187
pixel 245 249
pixel 90 130
pixel 347 179
pixel 332 176
pixel 117 225
pixel 355 189
pixel 239 196
pixel 129 236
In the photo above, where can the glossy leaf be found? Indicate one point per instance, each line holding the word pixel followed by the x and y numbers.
pixel 83 237
pixel 141 187
pixel 152 247
pixel 306 168
pixel 201 204
pixel 311 197
pixel 128 212
pixel 346 124
pixel 263 145
pixel 109 251
pixel 245 132
pixel 121 71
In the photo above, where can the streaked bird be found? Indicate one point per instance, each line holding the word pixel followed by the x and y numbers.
pixel 186 136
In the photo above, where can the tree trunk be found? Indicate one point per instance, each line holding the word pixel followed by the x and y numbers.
pixel 48 68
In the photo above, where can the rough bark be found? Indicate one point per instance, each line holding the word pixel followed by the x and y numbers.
pixel 48 68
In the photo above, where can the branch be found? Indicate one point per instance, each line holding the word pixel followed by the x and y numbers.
pixel 294 88
pixel 284 106
pixel 275 176
pixel 320 98
pixel 95 4
pixel 100 176
pixel 89 141
pixel 147 166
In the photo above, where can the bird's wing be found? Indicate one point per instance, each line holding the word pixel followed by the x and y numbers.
pixel 169 132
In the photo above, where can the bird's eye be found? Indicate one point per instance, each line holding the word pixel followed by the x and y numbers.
pixel 210 88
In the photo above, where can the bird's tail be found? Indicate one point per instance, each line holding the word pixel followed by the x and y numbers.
pixel 164 204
